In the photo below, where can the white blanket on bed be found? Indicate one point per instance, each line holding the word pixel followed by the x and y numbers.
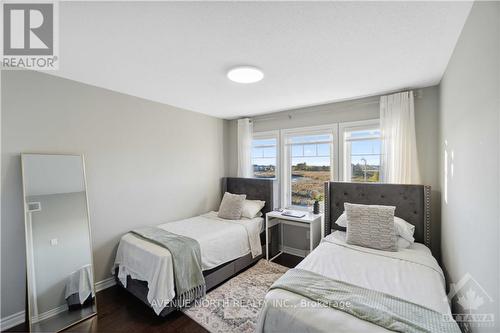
pixel 411 274
pixel 220 241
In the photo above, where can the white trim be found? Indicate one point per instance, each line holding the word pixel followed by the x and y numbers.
pixel 12 320
pixel 337 150
pixel 344 173
pixel 331 129
pixel 105 284
pixel 50 313
pixel 360 123
pixel 271 135
pixel 31 255
pixel 18 318
pixel 335 153
pixel 308 129
pixel 274 134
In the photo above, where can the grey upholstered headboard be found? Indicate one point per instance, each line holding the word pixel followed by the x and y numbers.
pixel 254 188
pixel 412 203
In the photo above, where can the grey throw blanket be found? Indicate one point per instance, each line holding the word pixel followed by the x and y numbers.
pixel 381 309
pixel 186 259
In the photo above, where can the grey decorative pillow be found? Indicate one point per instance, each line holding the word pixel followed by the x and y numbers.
pixel 231 206
pixel 371 226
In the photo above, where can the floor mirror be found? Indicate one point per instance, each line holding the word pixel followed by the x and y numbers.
pixel 60 273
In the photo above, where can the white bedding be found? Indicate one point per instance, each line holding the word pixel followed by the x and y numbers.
pixel 220 241
pixel 412 274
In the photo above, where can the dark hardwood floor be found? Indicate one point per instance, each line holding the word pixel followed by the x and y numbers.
pixel 288 260
pixel 119 311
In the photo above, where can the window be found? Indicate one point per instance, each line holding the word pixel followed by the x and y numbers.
pixel 301 160
pixel 362 146
pixel 308 164
pixel 264 155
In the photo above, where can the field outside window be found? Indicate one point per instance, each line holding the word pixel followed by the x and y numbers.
pixel 310 166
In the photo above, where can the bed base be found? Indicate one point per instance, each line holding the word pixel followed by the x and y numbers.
pixel 213 278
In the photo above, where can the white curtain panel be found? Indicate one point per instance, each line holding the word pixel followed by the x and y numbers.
pixel 245 130
pixel 399 144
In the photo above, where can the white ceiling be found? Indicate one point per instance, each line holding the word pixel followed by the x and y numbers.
pixel 311 52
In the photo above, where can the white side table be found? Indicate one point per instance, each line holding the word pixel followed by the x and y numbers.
pixel 310 222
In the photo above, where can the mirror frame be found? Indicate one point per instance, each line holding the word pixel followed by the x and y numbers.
pixel 29 281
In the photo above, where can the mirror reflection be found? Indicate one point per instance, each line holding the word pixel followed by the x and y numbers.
pixel 58 244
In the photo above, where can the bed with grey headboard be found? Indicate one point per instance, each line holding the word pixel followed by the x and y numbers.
pixel 255 189
pixel 412 203
pixel 410 274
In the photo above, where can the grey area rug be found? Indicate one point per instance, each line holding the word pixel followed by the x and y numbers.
pixel 235 305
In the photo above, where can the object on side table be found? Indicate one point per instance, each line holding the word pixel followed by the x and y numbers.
pixel 316 207
pixel 317 199
pixel 292 213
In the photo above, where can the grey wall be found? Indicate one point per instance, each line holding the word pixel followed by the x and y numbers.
pixel 427 132
pixel 470 107
pixel 146 163
pixel 354 110
pixel 63 216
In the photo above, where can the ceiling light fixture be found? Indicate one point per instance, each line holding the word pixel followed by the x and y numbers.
pixel 245 74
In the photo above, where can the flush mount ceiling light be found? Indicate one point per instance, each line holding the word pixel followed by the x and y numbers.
pixel 245 74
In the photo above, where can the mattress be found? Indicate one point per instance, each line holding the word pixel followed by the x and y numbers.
pixel 220 241
pixel 412 274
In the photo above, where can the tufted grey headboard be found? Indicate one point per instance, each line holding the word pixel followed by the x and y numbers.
pixel 412 203
pixel 254 188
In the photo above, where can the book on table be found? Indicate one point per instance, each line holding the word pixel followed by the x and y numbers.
pixel 297 215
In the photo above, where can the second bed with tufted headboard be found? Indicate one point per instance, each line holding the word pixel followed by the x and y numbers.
pixel 412 203
pixel 337 272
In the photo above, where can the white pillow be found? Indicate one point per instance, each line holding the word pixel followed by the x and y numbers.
pixel 403 243
pixel 251 208
pixel 258 215
pixel 342 220
pixel 403 229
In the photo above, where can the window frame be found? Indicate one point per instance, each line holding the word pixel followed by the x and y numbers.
pixel 343 152
pixel 286 169
pixel 338 157
pixel 265 136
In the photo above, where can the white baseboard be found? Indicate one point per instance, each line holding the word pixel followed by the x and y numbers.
pixel 12 320
pixel 105 284
pixel 50 313
pixel 18 318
